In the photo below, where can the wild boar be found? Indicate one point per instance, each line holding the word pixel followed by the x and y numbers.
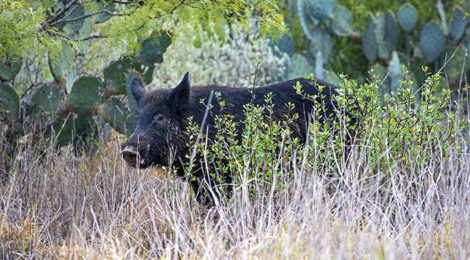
pixel 160 137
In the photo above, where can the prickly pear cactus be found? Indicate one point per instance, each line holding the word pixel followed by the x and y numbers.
pixel 115 74
pixel 115 113
pixel 84 31
pixel 134 113
pixel 75 13
pixel 369 40
pixel 321 9
pixel 62 65
pixel 341 22
pixel 442 15
pixel 299 67
pixel 319 65
pixel 10 68
pixel 395 72
pixel 45 101
pixel 87 93
pixel 61 131
pixel 105 5
pixel 285 44
pixel 154 47
pixel 457 24
pixel 392 35
pixel 432 41
pixel 320 42
pixel 407 17
pixel 9 102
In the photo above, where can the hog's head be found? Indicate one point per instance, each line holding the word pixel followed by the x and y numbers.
pixel 158 137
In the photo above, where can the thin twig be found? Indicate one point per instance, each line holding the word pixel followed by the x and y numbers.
pixel 122 2
pixel 83 17
pixel 67 7
pixel 206 113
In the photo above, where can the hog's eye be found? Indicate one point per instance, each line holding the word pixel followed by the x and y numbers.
pixel 158 118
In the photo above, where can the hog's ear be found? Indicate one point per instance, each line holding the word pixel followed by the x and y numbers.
pixel 179 96
pixel 137 88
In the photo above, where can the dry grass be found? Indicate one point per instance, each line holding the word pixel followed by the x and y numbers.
pixel 57 204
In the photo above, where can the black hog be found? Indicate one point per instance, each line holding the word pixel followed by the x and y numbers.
pixel 160 140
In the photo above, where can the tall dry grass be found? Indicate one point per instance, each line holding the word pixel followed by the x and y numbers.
pixel 66 204
pixel 59 204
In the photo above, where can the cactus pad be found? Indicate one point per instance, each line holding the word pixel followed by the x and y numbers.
pixel 369 40
pixel 115 74
pixel 62 65
pixel 407 17
pixel 105 5
pixel 321 41
pixel 391 30
pixel 154 47
pixel 457 24
pixel 10 68
pixel 432 41
pixel 341 23
pixel 87 93
pixel 395 72
pixel 299 67
pixel 319 65
pixel 46 100
pixel 285 44
pixel 133 110
pixel 115 113
pixel 77 12
pixel 9 102
pixel 321 9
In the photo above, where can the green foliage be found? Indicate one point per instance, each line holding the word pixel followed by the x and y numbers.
pixel 391 132
pixel 71 32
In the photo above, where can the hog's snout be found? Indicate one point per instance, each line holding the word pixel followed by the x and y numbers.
pixel 129 153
